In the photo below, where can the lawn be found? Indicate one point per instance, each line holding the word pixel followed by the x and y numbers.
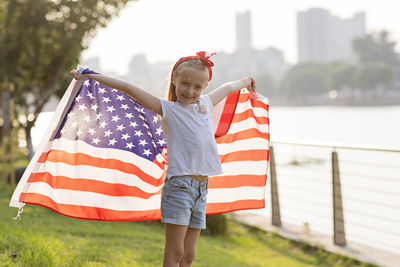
pixel 44 238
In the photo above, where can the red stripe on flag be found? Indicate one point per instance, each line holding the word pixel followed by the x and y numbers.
pixel 256 103
pixel 213 208
pixel 245 155
pixel 249 133
pixel 233 181
pixel 90 213
pixel 114 164
pixel 259 104
pixel 111 189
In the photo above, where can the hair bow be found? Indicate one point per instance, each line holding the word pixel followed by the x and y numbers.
pixel 199 55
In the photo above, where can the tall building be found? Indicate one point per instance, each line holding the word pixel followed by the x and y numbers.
pixel 150 76
pixel 243 32
pixel 246 60
pixel 323 37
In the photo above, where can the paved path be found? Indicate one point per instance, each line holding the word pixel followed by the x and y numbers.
pixel 356 250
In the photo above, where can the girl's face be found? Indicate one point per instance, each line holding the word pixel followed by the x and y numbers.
pixel 189 84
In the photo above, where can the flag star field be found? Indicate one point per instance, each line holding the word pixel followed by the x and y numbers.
pixel 121 124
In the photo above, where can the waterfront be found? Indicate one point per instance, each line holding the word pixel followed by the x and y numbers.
pixel 370 180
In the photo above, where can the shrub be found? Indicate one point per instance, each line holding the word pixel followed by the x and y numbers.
pixel 216 224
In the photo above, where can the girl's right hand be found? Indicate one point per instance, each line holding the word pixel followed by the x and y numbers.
pixel 75 74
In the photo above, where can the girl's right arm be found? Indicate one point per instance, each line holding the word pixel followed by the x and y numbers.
pixel 143 97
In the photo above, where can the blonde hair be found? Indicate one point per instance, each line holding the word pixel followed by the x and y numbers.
pixel 193 63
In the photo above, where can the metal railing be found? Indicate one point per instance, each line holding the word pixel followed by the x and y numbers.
pixel 362 190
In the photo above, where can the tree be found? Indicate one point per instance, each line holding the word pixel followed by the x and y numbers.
pixel 40 41
pixel 376 48
pixel 373 75
pixel 340 75
pixel 304 80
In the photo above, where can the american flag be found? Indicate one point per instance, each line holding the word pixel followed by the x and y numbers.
pixel 105 157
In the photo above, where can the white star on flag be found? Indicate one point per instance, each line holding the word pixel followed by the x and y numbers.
pixel 94 107
pixel 112 141
pixel 110 109
pixel 82 107
pixel 115 118
pixel 142 142
pixel 120 97
pixel 138 133
pixel 107 133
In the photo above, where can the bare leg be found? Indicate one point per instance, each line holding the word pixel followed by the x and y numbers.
pixel 189 252
pixel 174 244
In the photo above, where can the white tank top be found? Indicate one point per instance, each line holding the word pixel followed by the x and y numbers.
pixel 191 146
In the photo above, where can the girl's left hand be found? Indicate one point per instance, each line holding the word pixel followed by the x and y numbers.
pixel 252 87
pixel 250 84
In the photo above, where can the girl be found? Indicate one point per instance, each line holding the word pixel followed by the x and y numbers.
pixel 192 150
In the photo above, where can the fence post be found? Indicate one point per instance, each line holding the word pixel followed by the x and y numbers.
pixel 339 237
pixel 276 214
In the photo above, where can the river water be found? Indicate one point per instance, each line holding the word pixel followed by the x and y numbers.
pixel 370 180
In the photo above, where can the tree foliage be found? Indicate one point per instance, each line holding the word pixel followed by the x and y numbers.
pixel 340 75
pixel 303 80
pixel 379 61
pixel 372 75
pixel 377 67
pixel 376 48
pixel 40 41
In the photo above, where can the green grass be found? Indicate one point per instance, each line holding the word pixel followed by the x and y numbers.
pixel 45 238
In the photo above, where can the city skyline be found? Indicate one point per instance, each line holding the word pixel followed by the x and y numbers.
pixel 170 33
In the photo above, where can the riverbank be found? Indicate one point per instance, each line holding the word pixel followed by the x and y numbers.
pixel 356 250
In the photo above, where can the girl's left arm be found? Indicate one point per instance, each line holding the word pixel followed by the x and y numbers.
pixel 221 92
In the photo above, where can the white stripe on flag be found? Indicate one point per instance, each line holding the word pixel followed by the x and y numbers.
pixel 247 124
pixel 245 167
pixel 222 195
pixel 243 145
pixel 258 112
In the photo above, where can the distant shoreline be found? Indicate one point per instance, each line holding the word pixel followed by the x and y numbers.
pixel 368 102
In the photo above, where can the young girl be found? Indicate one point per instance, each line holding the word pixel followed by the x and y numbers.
pixel 192 150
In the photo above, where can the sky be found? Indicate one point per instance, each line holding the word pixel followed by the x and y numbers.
pixel 166 30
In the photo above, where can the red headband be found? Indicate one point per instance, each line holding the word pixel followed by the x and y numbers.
pixel 199 55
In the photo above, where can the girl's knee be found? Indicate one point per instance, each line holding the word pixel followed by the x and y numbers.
pixel 188 257
pixel 175 254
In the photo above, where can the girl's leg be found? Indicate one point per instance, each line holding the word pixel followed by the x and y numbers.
pixel 174 244
pixel 189 252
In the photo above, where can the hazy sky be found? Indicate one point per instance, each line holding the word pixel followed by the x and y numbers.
pixel 169 29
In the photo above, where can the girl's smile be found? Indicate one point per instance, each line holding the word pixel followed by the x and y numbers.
pixel 189 84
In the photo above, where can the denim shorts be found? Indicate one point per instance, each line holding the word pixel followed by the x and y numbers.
pixel 183 202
